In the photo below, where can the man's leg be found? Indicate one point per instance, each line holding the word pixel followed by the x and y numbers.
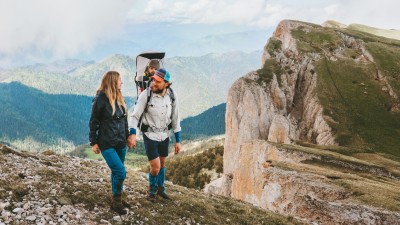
pixel 151 147
pixel 163 151
pixel 153 175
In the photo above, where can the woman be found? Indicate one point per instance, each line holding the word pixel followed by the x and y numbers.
pixel 109 132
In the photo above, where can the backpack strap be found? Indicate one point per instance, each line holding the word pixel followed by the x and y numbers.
pixel 172 96
pixel 144 127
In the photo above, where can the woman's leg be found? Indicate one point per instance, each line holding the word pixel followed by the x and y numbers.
pixel 118 171
pixel 122 154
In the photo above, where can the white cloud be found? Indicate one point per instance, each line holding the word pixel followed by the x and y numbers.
pixel 202 11
pixel 268 13
pixel 48 29
pixel 58 28
pixel 382 14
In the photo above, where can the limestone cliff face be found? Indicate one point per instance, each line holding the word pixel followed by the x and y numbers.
pixel 301 194
pixel 279 112
pixel 285 110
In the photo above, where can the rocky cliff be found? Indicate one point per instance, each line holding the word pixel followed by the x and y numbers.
pixel 299 96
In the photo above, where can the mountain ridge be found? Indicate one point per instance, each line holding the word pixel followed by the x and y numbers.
pixel 211 73
pixel 41 121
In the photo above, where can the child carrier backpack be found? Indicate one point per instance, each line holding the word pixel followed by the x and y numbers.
pixel 142 80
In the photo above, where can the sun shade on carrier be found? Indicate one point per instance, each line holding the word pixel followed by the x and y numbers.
pixel 142 62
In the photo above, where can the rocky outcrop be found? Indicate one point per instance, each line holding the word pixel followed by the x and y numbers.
pixel 304 195
pixel 280 112
pixel 286 109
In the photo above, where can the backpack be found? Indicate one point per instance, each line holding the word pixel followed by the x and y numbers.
pixel 144 127
pixel 142 80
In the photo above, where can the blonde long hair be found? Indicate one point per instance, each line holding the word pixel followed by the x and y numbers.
pixel 109 85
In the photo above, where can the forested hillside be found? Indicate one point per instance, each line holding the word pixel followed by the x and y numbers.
pixel 34 120
pixel 40 120
pixel 199 82
pixel 209 123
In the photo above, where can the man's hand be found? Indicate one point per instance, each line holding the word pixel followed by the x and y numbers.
pixel 177 147
pixel 132 141
pixel 96 149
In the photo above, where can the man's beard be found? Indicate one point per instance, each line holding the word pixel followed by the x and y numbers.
pixel 158 91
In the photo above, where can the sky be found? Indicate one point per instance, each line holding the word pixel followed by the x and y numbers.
pixel 47 30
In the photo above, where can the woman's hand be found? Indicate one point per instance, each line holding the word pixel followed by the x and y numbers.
pixel 96 149
pixel 132 141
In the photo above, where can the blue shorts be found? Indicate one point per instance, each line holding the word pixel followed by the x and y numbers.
pixel 155 149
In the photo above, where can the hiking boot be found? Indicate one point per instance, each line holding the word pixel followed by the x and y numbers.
pixel 126 204
pixel 116 205
pixel 163 195
pixel 151 198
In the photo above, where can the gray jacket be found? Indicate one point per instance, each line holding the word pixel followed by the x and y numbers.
pixel 160 113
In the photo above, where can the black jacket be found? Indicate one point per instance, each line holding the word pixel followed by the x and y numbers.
pixel 106 130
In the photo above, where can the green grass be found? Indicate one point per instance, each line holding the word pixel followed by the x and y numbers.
pixel 87 185
pixel 270 68
pixel 353 98
pixel 359 111
pixel 387 59
pixel 355 173
pixel 395 34
pixel 273 45
pixel 132 160
pixel 313 40
pixel 190 171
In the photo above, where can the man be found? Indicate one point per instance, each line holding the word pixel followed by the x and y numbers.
pixel 155 112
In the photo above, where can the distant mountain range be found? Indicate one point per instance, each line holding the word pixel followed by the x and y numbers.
pixel 200 82
pixel 183 40
pixel 33 120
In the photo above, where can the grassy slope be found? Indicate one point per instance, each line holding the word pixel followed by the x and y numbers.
pixel 349 92
pixel 355 172
pixel 395 34
pixel 189 206
pixel 132 160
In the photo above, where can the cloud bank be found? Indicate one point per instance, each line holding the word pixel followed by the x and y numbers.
pixel 34 31
pixel 58 28
pixel 267 13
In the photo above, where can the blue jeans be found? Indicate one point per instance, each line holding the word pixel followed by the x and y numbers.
pixel 115 160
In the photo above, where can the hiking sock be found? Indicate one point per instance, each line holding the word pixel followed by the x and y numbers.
pixel 153 182
pixel 161 180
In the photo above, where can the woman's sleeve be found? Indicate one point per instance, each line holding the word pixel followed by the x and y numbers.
pixel 94 122
pixel 137 112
